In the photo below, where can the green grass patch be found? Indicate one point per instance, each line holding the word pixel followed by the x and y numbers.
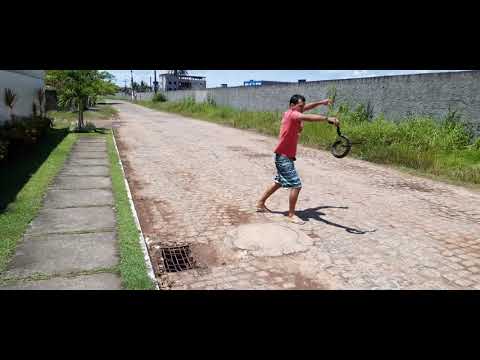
pixel 24 179
pixel 133 269
pixel 442 148
pixel 120 97
pixel 68 119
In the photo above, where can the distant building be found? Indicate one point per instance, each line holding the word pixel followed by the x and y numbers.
pixel 25 84
pixel 263 82
pixel 170 82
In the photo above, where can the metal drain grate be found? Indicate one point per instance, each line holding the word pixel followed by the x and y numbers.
pixel 177 258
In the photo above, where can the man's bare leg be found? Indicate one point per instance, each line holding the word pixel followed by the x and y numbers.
pixel 266 195
pixel 292 203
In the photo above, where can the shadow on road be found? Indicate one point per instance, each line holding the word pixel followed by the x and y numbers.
pixel 109 103
pixel 315 214
pixel 102 130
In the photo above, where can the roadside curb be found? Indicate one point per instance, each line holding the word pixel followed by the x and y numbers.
pixel 146 255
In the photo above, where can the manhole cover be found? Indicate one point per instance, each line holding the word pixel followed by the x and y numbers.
pixel 177 258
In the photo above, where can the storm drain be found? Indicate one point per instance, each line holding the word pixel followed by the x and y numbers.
pixel 177 258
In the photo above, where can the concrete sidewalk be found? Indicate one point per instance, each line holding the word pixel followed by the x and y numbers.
pixel 72 243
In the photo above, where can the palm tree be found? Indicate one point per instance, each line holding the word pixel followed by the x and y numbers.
pixel 10 98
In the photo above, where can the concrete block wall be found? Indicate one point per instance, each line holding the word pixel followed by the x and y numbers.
pixel 394 96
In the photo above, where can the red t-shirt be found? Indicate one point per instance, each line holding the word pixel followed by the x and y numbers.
pixel 289 134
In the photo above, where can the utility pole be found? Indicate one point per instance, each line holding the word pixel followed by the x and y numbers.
pixel 150 83
pixel 131 79
pixel 125 87
pixel 155 82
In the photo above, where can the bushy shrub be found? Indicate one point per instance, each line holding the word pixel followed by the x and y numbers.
pixel 476 144
pixel 159 97
pixel 211 101
pixel 87 128
pixel 22 132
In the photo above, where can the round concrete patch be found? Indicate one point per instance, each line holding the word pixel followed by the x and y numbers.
pixel 268 239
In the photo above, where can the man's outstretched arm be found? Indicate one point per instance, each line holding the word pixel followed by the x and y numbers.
pixel 315 104
pixel 311 117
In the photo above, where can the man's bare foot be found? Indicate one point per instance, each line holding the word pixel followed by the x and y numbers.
pixel 295 219
pixel 261 207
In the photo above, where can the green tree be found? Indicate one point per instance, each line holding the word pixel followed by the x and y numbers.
pixel 136 86
pixel 143 86
pixel 79 89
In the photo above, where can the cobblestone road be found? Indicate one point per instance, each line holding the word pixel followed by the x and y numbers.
pixel 372 227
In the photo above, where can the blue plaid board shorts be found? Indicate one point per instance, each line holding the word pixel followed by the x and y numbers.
pixel 287 175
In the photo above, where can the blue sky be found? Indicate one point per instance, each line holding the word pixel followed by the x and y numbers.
pixel 237 77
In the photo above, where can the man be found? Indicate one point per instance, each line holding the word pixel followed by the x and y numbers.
pixel 286 150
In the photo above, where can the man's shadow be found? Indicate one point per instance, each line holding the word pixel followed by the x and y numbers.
pixel 314 214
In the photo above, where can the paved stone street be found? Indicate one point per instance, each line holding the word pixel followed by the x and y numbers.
pixel 71 244
pixel 368 227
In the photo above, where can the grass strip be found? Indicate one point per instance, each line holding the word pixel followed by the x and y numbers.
pixel 132 267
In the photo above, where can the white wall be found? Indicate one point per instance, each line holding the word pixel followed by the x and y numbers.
pixel 25 83
pixel 396 97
